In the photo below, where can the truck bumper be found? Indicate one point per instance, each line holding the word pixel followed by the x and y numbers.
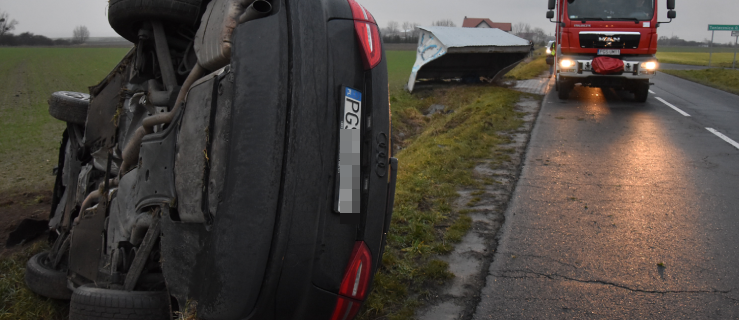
pixel 582 71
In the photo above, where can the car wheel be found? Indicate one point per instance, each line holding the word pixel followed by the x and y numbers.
pixel 45 281
pixel 641 93
pixel 564 89
pixel 89 302
pixel 125 16
pixel 69 106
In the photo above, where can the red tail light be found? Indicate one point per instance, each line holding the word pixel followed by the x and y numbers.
pixel 354 286
pixel 368 35
pixel 346 309
pixel 360 13
pixel 369 39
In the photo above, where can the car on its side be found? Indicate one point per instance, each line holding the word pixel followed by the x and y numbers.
pixel 235 164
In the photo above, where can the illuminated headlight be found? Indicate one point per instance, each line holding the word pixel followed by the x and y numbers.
pixel 566 63
pixel 650 65
pixel 549 51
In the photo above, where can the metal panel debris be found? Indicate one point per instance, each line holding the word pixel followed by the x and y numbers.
pixel 465 53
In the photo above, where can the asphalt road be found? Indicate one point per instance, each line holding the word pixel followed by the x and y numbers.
pixel 624 210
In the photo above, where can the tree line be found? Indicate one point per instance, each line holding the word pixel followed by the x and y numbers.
pixel 408 32
pixel 80 34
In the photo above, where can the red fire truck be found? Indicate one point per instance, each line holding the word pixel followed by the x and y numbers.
pixel 606 43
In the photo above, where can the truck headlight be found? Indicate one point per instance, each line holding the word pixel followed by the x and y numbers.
pixel 650 65
pixel 549 51
pixel 566 63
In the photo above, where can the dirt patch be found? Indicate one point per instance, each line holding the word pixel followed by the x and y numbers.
pixel 16 206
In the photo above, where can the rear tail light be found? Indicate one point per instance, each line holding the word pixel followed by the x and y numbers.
pixel 354 286
pixel 369 39
pixel 368 34
pixel 346 309
pixel 360 13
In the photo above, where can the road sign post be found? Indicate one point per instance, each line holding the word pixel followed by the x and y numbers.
pixel 710 49
pixel 720 27
pixel 736 44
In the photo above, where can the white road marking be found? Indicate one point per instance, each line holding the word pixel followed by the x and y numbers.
pixel 652 92
pixel 673 107
pixel 723 137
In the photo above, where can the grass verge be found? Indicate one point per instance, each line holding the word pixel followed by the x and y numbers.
pixel 29 136
pixel 719 59
pixel 723 79
pixel 17 301
pixel 530 68
pixel 438 155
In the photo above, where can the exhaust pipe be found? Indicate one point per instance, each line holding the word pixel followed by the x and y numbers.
pixel 132 149
pixel 256 10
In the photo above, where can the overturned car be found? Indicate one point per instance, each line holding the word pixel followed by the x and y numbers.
pixel 235 164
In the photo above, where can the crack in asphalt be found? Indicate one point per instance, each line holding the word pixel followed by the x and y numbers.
pixel 613 284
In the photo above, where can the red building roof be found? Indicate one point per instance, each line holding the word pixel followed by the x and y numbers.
pixel 476 22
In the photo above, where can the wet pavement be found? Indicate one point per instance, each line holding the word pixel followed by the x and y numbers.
pixel 623 210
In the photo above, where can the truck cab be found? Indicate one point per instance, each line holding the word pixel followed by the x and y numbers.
pixel 607 44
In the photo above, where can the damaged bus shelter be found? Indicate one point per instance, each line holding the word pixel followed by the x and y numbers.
pixel 465 53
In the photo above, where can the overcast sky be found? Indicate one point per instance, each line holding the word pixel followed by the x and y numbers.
pixel 57 18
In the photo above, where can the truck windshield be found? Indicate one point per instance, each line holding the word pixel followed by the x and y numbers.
pixel 610 9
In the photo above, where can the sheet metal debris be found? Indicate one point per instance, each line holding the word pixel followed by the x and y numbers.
pixel 466 53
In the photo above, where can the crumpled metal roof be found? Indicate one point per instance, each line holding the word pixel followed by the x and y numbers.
pixel 475 37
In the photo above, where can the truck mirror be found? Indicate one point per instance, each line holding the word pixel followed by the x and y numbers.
pixel 552 3
pixel 671 14
pixel 550 14
pixel 670 4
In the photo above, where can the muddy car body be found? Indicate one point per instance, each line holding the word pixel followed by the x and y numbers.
pixel 207 173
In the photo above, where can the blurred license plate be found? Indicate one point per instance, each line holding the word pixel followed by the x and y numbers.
pixel 348 177
pixel 609 52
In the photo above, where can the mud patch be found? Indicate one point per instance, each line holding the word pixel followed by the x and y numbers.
pixel 14 207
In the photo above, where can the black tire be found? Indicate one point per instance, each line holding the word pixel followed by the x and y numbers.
pixel 641 92
pixel 91 303
pixel 46 281
pixel 69 106
pixel 126 16
pixel 565 87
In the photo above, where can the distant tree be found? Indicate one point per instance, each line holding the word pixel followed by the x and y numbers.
pixel 80 35
pixel 416 32
pixel 392 28
pixel 520 28
pixel 443 23
pixel 6 24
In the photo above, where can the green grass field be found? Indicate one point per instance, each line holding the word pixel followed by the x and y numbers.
pixel 438 155
pixel 722 57
pixel 29 137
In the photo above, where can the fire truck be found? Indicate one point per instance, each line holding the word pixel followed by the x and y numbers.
pixel 606 44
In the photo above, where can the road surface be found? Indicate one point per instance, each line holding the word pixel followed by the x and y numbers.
pixel 624 210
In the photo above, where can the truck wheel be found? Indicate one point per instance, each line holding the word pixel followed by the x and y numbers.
pixel 125 16
pixel 89 302
pixel 564 89
pixel 69 106
pixel 641 93
pixel 45 281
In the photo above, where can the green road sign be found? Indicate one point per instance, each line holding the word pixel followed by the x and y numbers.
pixel 723 27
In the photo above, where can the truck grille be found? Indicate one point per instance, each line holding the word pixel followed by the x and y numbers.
pixel 610 41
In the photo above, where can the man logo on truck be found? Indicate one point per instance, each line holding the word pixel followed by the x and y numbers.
pixel 609 39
